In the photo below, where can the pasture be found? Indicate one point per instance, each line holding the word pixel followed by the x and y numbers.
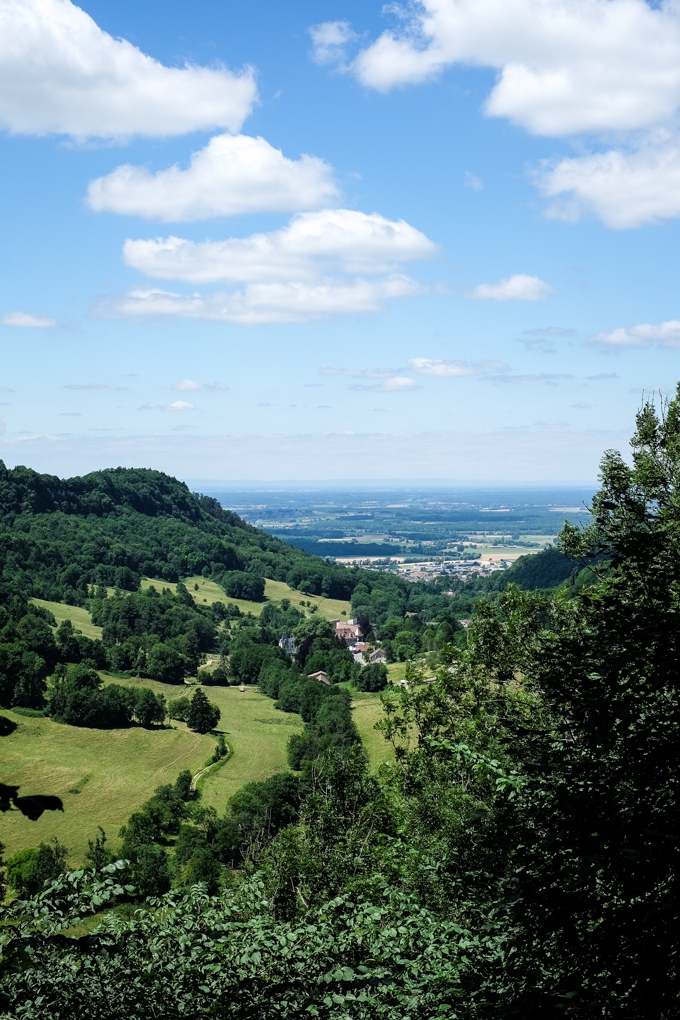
pixel 205 590
pixel 80 618
pixel 103 776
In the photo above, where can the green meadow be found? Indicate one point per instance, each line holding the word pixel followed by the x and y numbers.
pixel 204 590
pixel 102 776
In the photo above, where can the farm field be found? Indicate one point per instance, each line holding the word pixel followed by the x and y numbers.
pixel 366 712
pixel 117 770
pixel 80 618
pixel 114 772
pixel 274 591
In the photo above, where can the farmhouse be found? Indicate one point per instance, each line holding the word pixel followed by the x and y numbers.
pixel 350 632
pixel 321 676
pixel 377 656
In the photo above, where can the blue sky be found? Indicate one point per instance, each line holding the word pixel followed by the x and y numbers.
pixel 440 244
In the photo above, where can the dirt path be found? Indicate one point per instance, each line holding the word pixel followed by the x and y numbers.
pixel 206 769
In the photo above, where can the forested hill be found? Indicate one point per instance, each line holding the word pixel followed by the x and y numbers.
pixel 59 536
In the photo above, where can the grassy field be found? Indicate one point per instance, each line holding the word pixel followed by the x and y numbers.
pixel 117 770
pixel 80 618
pixel 274 591
pixel 366 712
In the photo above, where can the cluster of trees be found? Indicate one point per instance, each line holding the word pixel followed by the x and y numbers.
pixel 78 697
pixel 156 634
pixel 197 712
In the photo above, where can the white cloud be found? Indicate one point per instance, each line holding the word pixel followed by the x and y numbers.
pixel 623 188
pixel 187 384
pixel 262 302
pixel 329 41
pixel 180 405
pixel 564 66
pixel 313 268
pixel 61 74
pixel 232 174
pixel 177 405
pixel 26 321
pixel 472 182
pixel 665 334
pixel 519 287
pixel 430 366
pixel 311 243
pixel 394 384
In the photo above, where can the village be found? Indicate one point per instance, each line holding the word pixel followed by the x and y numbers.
pixel 351 633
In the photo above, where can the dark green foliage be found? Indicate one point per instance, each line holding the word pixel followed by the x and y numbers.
pixel 372 677
pixel 330 726
pixel 545 569
pixel 247 661
pixel 165 663
pixel 29 870
pixel 151 871
pixel 98 853
pixel 203 716
pixel 78 697
pixel 178 708
pixel 240 585
pixel 149 707
pixel 221 749
pixel 219 677
pixel 260 810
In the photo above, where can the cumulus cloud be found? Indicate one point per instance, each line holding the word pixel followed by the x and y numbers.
pixel 61 74
pixel 26 321
pixel 188 384
pixel 313 268
pixel 329 41
pixel 261 303
pixel 665 334
pixel 519 287
pixel 624 188
pixel 345 239
pixel 563 67
pixel 432 366
pixel 232 174
pixel 180 405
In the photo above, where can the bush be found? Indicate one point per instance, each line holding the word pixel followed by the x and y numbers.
pixel 178 708
pixel 29 869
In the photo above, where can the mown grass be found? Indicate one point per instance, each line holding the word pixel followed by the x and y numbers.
pixel 80 618
pixel 117 770
pixel 367 710
pixel 274 591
